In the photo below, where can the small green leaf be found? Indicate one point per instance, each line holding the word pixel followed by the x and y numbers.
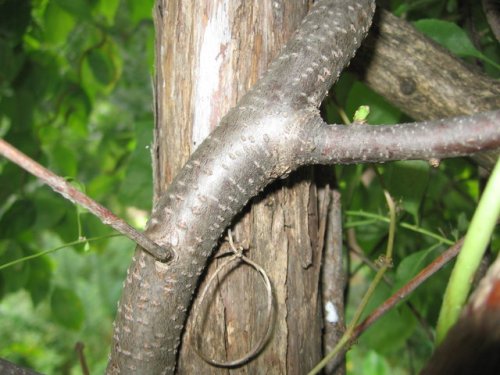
pixel 361 114
pixel 67 308
pixel 101 66
pixel 63 160
pixel 381 112
pixel 58 24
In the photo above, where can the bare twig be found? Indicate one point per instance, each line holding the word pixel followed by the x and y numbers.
pixel 79 346
pixel 61 186
pixel 402 293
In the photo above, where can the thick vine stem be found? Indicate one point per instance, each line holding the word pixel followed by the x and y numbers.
pixel 263 138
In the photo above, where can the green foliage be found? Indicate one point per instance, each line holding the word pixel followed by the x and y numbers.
pixel 74 95
pixel 435 204
pixel 451 36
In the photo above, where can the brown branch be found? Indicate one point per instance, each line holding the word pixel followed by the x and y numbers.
pixel 79 347
pixel 61 186
pixel 407 289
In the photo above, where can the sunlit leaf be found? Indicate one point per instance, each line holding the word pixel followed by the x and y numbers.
pixel 58 24
pixel 140 9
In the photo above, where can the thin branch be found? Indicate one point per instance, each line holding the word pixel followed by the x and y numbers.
pixel 61 186
pixel 402 293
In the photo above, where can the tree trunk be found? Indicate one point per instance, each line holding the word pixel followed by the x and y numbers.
pixel 212 54
pixel 274 129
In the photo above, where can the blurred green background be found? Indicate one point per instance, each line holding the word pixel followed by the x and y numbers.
pixel 75 95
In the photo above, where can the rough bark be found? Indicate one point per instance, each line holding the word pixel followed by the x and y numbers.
pixel 273 130
pixel 422 78
pixel 245 153
pixel 231 46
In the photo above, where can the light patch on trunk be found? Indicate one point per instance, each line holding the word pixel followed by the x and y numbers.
pixel 209 86
pixel 331 313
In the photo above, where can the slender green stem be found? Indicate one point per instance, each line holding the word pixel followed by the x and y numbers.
pixel 41 253
pixel 408 226
pixel 475 244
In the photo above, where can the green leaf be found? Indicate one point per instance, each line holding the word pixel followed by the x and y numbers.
pixel 140 9
pixel 452 37
pixel 15 277
pixel 50 208
pixel 11 62
pixel 101 66
pixel 108 9
pixel 407 182
pixel 79 8
pixel 18 218
pixel 15 16
pixel 39 280
pixel 411 265
pixel 381 112
pixel 58 24
pixel 63 160
pixel 449 35
pixel 67 308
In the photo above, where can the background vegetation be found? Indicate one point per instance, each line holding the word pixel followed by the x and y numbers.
pixel 75 94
